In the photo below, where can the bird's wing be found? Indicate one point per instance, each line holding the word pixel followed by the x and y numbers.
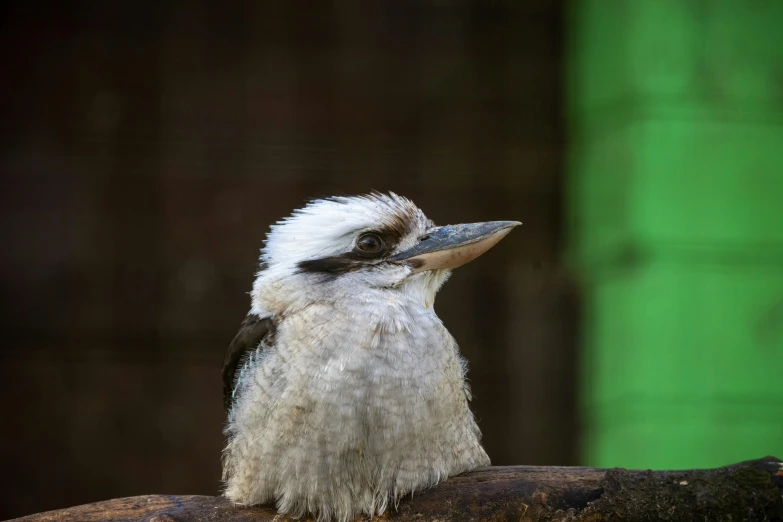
pixel 253 331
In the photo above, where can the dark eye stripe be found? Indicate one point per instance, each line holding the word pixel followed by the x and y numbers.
pixel 355 259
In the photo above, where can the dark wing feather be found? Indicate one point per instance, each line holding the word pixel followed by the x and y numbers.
pixel 254 329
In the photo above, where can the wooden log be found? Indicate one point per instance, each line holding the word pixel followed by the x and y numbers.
pixel 751 490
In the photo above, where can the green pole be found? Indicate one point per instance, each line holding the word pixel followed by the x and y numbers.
pixel 676 226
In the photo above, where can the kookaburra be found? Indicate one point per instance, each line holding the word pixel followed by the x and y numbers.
pixel 344 390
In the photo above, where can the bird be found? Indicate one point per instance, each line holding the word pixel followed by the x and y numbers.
pixel 344 391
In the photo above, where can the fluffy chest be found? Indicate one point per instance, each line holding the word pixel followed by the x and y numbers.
pixel 367 363
pixel 351 402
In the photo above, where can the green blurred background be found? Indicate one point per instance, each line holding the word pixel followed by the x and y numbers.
pixel 635 320
pixel 675 113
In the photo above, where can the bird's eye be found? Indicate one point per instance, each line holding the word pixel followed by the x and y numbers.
pixel 370 245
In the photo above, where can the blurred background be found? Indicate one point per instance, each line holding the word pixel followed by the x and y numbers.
pixel 636 319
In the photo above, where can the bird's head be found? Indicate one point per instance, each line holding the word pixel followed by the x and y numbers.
pixel 353 246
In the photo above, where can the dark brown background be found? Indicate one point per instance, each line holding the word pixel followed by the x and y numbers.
pixel 146 149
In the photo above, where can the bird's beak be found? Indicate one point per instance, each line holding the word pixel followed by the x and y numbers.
pixel 454 245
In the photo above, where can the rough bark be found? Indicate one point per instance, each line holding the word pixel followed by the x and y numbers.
pixel 751 490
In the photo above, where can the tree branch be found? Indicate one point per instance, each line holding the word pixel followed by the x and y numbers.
pixel 751 490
